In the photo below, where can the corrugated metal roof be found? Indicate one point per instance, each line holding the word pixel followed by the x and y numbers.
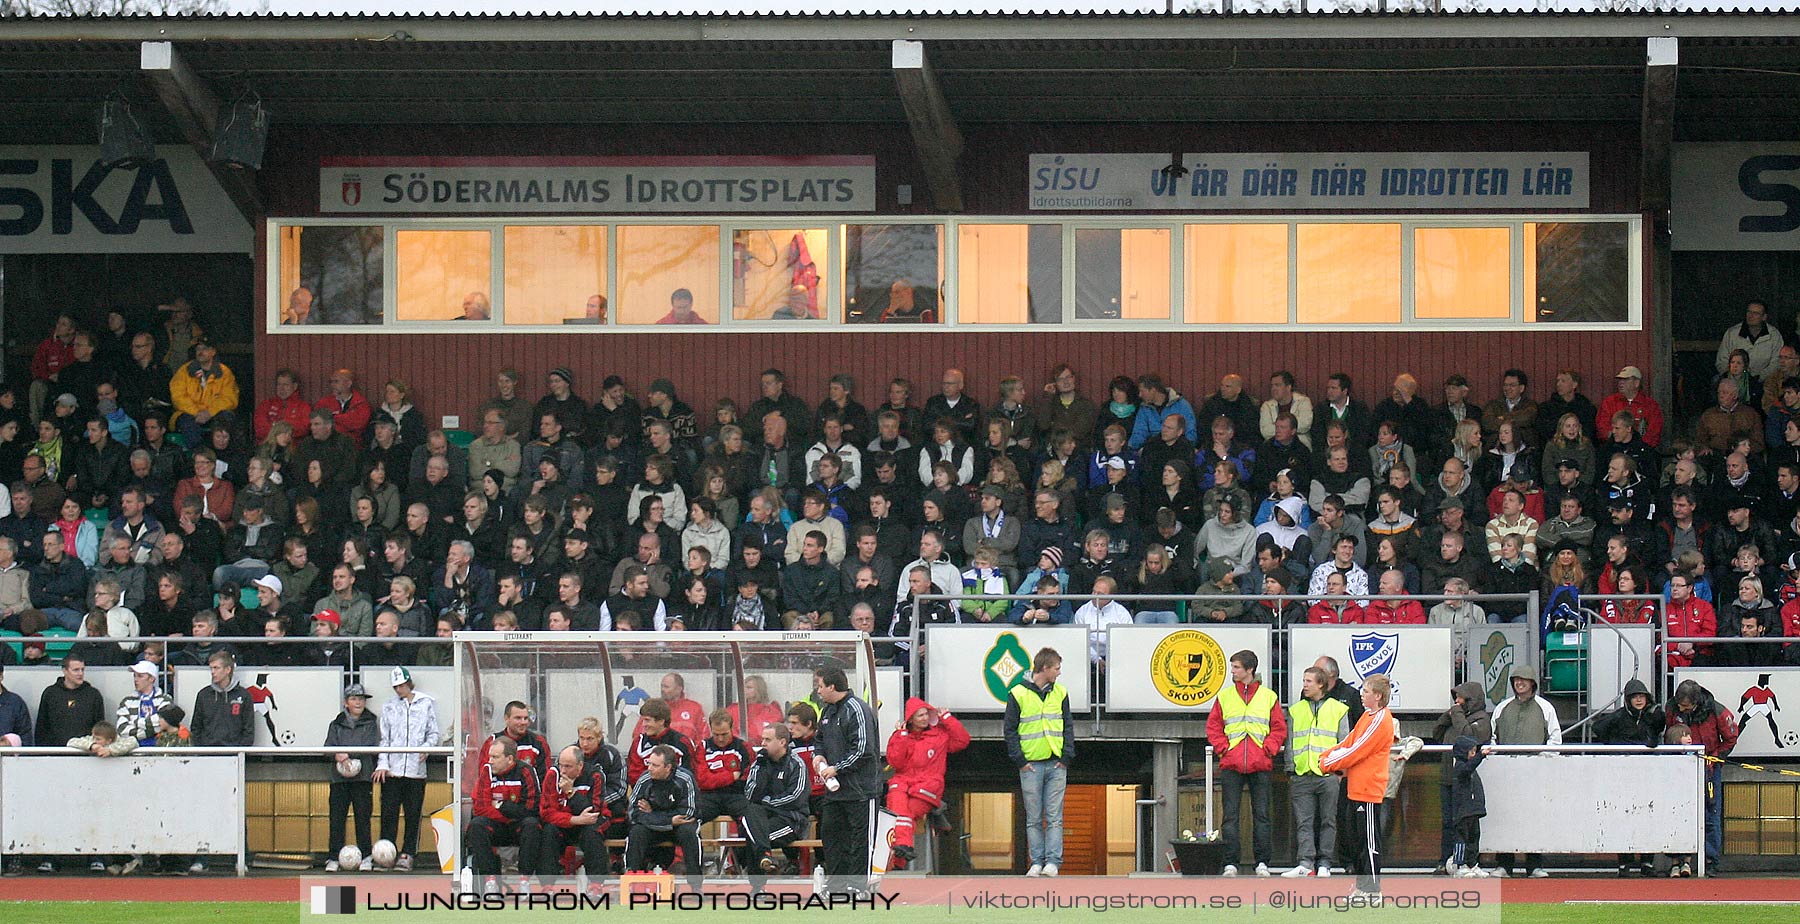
pixel 329 10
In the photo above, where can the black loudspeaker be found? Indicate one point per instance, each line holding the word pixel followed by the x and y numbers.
pixel 243 132
pixel 123 142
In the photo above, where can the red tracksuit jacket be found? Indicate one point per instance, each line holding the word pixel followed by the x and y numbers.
pixel 919 758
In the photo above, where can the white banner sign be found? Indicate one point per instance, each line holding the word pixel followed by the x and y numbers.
pixel 594 185
pixel 1417 659
pixel 294 705
pixel 1732 196
pixel 60 199
pixel 1369 181
pixel 1765 701
pixel 973 667
pixel 1176 668
pixel 1575 803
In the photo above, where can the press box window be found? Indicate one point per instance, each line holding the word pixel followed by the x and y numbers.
pixel 1235 274
pixel 1122 274
pixel 444 275
pixel 555 274
pixel 662 265
pixel 331 274
pixel 1348 273
pixel 1009 274
pixel 1578 271
pixel 779 275
pixel 893 274
pixel 1462 274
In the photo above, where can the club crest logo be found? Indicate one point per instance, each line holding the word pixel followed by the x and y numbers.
pixel 1188 668
pixel 1006 665
pixel 1497 659
pixel 352 189
pixel 1374 653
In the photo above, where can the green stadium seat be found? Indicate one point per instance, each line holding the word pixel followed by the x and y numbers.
pixel 459 438
pixel 56 650
pixel 99 517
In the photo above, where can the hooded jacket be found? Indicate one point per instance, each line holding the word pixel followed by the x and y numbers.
pixel 1468 798
pixel 919 759
pixel 1626 725
pixel 1552 726
pixel 1468 719
pixel 363 731
pixel 1711 723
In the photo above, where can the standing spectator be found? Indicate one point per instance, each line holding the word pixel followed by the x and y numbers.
pixel 352 776
pixel 70 707
pixel 1467 806
pixel 1712 725
pixel 202 390
pixel 1646 414
pixel 1040 739
pixel 1247 729
pixel 1317 724
pixel 409 720
pixel 1528 719
pixel 1637 721
pixel 919 751
pixel 1756 337
pixel 1363 760
pixel 848 754
pixel 505 806
pixel 1467 717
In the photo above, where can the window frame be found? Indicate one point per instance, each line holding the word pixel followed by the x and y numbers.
pixel 833 321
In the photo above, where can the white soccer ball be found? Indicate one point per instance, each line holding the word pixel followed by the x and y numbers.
pixel 384 854
pixel 349 859
pixel 349 767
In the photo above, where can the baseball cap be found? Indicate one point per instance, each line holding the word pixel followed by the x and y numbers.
pixel 144 667
pixel 1115 462
pixel 355 689
pixel 398 676
pixel 269 581
pixel 67 400
pixel 330 616
pixel 1630 372
pixel 1569 463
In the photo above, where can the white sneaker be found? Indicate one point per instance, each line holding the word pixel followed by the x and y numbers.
pixel 1540 873
pixel 1262 869
pixel 404 864
pixel 1325 871
pixel 197 867
pixel 1448 867
pixel 368 863
pixel 1050 869
pixel 331 866
pixel 1298 872
pixel 1501 872
pixel 131 866
pixel 1036 870
pixel 1230 870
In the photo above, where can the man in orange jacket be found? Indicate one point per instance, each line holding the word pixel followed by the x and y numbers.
pixel 1363 760
pixel 1247 728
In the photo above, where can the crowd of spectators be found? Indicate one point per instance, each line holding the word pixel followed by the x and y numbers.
pixel 153 500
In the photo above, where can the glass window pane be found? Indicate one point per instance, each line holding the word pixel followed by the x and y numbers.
pixel 1348 274
pixel 1009 274
pixel 1236 274
pixel 658 264
pixel 1462 273
pixel 444 275
pixel 331 274
pixel 555 274
pixel 893 274
pixel 1578 271
pixel 1122 273
pixel 778 274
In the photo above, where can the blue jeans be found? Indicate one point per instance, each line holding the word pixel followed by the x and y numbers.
pixel 63 618
pixel 1261 831
pixel 1157 618
pixel 1715 813
pixel 1043 782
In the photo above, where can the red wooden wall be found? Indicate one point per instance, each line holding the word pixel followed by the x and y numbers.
pixel 453 373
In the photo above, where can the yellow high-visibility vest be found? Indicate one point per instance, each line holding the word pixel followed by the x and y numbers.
pixel 1040 721
pixel 1250 718
pixel 1313 729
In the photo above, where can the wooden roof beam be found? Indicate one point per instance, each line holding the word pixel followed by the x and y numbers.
pixel 195 108
pixel 936 139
